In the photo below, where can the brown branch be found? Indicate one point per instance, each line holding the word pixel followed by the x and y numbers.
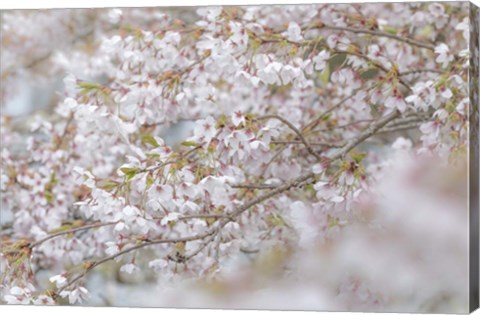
pixel 375 63
pixel 317 120
pixel 61 139
pixel 362 121
pixel 81 228
pixel 170 161
pixel 379 34
pixel 368 132
pixel 374 127
pixel 204 244
pixel 406 120
pixel 322 144
pixel 203 216
pixel 258 187
pixel 94 264
pixel 295 130
pixel 418 71
pixel 404 127
pixel 353 123
pixel 267 165
pixel 6 226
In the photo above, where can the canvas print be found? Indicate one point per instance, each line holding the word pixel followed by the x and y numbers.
pixel 285 157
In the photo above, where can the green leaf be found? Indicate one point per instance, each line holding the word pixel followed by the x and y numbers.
pixel 333 222
pixel 276 220
pixel 129 177
pixel 390 30
pixel 129 172
pixel 87 87
pixel 53 178
pixel 358 157
pixel 221 121
pixel 336 61
pixel 254 43
pixel 327 117
pixel 150 180
pixel 48 196
pixel 426 31
pixel 150 140
pixel 108 185
pixel 325 75
pixel 309 187
pixel 369 74
pixel 62 228
pixel 190 144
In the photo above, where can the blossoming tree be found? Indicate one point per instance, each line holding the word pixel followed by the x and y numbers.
pixel 314 134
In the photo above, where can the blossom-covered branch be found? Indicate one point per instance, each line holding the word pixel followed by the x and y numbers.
pixel 200 145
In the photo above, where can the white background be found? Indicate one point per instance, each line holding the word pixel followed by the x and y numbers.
pixel 75 310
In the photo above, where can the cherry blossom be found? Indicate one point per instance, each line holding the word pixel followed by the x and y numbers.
pixel 443 55
pixel 294 32
pixel 396 102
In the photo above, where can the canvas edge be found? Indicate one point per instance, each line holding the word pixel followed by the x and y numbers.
pixel 474 160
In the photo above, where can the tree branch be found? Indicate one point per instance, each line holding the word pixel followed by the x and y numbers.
pixel 294 129
pixel 250 186
pixel 81 228
pixel 379 34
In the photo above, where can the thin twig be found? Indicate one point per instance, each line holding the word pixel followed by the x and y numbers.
pixel 417 71
pixel 258 187
pixel 94 264
pixel 203 216
pixel 376 64
pixel 276 155
pixel 294 129
pixel 374 127
pixel 409 126
pixel 322 144
pixel 317 120
pixel 81 228
pixel 379 34
pixel 61 139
